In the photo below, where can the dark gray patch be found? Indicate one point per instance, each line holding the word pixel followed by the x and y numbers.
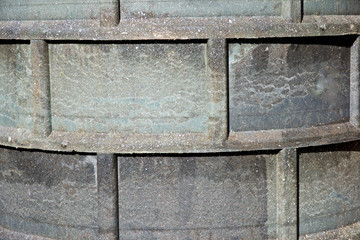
pixel 186 188
pixel 37 167
pixel 220 195
pixel 297 85
pixel 260 57
pixel 329 187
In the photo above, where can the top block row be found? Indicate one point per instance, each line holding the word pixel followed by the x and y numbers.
pixel 181 96
pixel 134 9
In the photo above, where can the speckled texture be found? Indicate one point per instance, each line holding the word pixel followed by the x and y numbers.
pixel 53 195
pixel 107 196
pixel 6 234
pixel 16 101
pixel 329 187
pixel 279 86
pixel 41 88
pixel 129 88
pixel 189 196
pixel 350 232
pixel 183 28
pixel 215 22
pixel 332 7
pixel 198 8
pixel 286 194
pixel 51 9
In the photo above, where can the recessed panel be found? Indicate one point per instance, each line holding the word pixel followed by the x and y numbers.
pixel 222 197
pixel 52 9
pixel 295 85
pixel 46 194
pixel 16 96
pixel 199 8
pixel 329 187
pixel 129 88
pixel 331 7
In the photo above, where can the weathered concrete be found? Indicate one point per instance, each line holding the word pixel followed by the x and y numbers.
pixel 217 74
pixel 107 196
pixel 148 77
pixel 6 234
pixel 292 10
pixel 355 83
pixel 109 13
pixel 329 188
pixel 193 197
pixel 57 195
pixel 287 194
pixel 41 87
pixel 331 7
pixel 344 233
pixel 16 100
pixel 52 9
pixel 279 86
pixel 131 9
pixel 129 88
pixel 240 195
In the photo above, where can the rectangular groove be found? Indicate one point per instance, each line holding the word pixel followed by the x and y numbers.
pixel 140 9
pixel 16 101
pixel 302 10
pixel 41 88
pixel 108 217
pixel 331 7
pixel 297 194
pixel 285 83
pixel 110 14
pixel 291 10
pixel 184 196
pixel 38 10
pixel 287 194
pixel 164 87
pixel 217 72
pixel 354 83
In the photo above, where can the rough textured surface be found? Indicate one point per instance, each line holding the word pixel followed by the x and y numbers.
pixel 198 8
pixel 193 197
pixel 286 194
pixel 331 7
pixel 16 101
pixel 51 9
pixel 41 87
pixel 344 233
pixel 329 187
pixel 129 88
pixel 6 234
pixel 216 64
pixel 107 196
pixel 53 195
pixel 182 28
pixel 279 86
pixel 96 123
pixel 292 11
pixel 155 20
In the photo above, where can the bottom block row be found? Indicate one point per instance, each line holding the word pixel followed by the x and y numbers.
pixel 189 196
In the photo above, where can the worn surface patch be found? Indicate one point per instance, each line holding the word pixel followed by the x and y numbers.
pixel 45 194
pixel 129 88
pixel 171 197
pixel 279 86
pixel 16 100
pixel 199 8
pixel 51 9
pixel 329 187
pixel 331 7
